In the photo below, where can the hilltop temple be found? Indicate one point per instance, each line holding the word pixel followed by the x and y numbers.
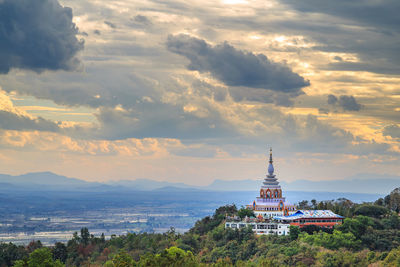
pixel 270 202
pixel 274 215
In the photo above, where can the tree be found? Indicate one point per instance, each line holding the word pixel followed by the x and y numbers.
pixel 226 210
pixel 391 201
pixel 85 236
pixel 379 202
pixel 19 263
pixel 208 223
pixel 108 263
pixel 357 226
pixel 340 257
pixel 393 222
pixel 33 245
pixel 331 241
pixel 9 253
pixel 60 252
pixel 303 205
pixel 190 242
pixel 294 232
pixel 123 259
pixel 314 203
pixel 310 229
pixel 248 251
pixel 393 258
pixel 173 256
pixel 381 239
pixel 371 210
pixel 243 212
pixel 394 203
pixel 223 262
pixel 42 257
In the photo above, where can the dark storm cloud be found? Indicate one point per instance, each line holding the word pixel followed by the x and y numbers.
pixel 383 14
pixel 235 67
pixel 12 121
pixel 37 35
pixel 392 131
pixel 346 102
pixel 367 28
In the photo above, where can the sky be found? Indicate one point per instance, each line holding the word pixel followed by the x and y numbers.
pixel 193 91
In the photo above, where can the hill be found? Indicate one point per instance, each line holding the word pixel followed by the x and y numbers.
pixel 369 236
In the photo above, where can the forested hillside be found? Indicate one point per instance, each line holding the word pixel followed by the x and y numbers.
pixel 370 235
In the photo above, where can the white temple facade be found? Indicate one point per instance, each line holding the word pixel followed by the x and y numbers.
pixel 261 228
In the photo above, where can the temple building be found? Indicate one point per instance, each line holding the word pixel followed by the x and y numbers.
pixel 259 227
pixel 274 215
pixel 270 203
pixel 321 218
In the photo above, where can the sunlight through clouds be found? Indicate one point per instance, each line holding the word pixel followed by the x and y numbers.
pixel 197 82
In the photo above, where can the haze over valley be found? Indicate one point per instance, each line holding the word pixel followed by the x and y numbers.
pixel 50 207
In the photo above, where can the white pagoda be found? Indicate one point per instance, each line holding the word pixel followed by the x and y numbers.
pixel 271 203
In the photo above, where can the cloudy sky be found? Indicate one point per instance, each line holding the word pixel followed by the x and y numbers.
pixel 192 91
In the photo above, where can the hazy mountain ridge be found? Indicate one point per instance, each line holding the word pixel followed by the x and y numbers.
pixel 360 183
pixel 373 184
pixel 147 184
pixel 54 193
pixel 42 178
pixel 41 181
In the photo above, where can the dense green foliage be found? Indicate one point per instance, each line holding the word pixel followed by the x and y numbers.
pixel 370 235
pixel 244 212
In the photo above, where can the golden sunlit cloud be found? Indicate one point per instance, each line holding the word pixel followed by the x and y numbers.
pixel 147 94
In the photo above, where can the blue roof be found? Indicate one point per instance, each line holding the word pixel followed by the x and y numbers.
pixel 309 214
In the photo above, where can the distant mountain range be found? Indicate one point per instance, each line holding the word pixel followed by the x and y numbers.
pixel 43 181
pixel 360 183
pixel 39 181
pixel 146 184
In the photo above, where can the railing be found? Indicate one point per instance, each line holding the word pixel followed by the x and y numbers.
pixel 274 200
